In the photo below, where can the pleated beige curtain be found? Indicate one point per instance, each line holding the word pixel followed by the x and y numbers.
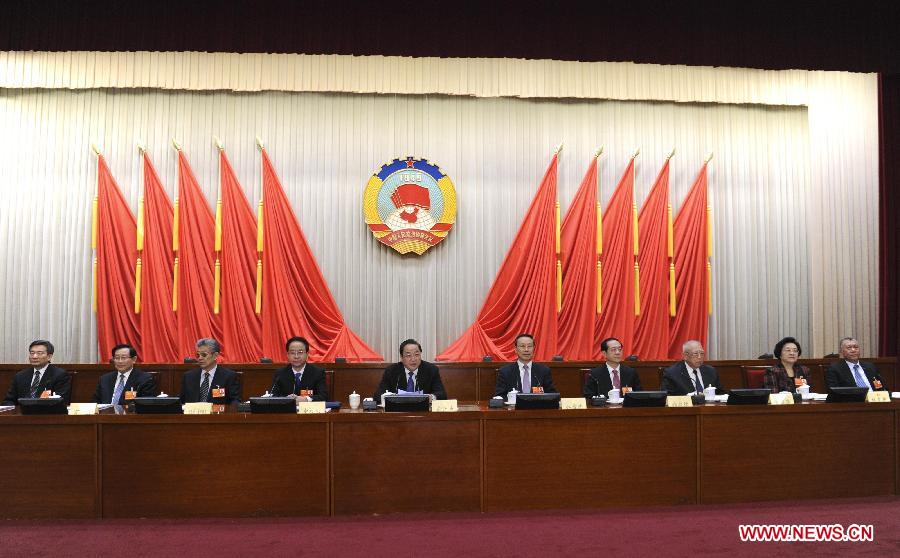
pixel 793 181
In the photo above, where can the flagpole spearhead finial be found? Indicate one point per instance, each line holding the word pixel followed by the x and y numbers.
pixel 218 143
pixel 141 148
pixel 708 158
pixel 559 148
pixel 599 152
pixel 672 154
pixel 259 144
pixel 176 145
pixel 636 153
pixel 95 149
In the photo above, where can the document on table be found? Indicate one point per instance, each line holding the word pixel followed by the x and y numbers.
pixel 5 408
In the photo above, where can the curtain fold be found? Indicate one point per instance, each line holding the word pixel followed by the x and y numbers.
pixel 522 298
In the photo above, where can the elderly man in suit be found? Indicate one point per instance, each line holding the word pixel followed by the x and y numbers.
pixel 40 379
pixel 612 374
pixel 524 375
pixel 299 377
pixel 411 374
pixel 690 375
pixel 850 372
pixel 127 382
pixel 210 383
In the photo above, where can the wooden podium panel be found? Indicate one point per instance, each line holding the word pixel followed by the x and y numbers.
pixel 215 466
pixel 48 468
pixel 797 452
pixel 589 459
pixel 407 463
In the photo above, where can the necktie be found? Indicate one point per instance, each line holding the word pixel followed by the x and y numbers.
pixel 120 387
pixel 410 382
pixel 697 383
pixel 526 379
pixel 616 383
pixel 297 378
pixel 35 383
pixel 860 382
pixel 204 387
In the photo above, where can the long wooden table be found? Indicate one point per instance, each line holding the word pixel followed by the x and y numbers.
pixel 478 459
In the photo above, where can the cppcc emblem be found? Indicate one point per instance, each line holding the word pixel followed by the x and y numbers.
pixel 410 205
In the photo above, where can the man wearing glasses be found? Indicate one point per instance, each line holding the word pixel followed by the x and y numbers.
pixel 299 378
pixel 127 382
pixel 690 375
pixel 40 379
pixel 612 374
pixel 210 383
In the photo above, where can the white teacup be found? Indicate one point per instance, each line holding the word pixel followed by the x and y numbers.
pixel 803 390
pixel 614 394
pixel 511 397
pixel 354 400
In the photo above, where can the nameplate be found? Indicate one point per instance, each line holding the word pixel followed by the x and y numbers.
pixel 679 401
pixel 572 403
pixel 83 409
pixel 781 399
pixel 878 397
pixel 310 407
pixel 198 408
pixel 444 406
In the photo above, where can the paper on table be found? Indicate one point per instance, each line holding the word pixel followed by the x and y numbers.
pixel 895 395
pixel 5 408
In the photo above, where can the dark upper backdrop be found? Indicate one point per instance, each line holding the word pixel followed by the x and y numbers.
pixel 860 36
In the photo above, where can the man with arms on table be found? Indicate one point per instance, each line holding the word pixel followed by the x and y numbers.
pixel 299 377
pixel 411 374
pixel 850 372
pixel 524 375
pixel 127 382
pixel 690 375
pixel 41 378
pixel 613 374
pixel 210 383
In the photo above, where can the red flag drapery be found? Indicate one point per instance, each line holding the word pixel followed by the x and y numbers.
pixel 691 269
pixel 579 266
pixel 116 253
pixel 295 297
pixel 651 331
pixel 196 243
pixel 157 320
pixel 523 296
pixel 241 326
pixel 616 318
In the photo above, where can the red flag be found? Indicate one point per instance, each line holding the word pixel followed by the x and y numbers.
pixel 523 296
pixel 241 327
pixel 295 297
pixel 159 340
pixel 196 243
pixel 116 259
pixel 651 332
pixel 616 318
pixel 579 265
pixel 691 269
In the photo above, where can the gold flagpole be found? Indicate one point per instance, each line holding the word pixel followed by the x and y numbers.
pixel 634 232
pixel 217 281
pixel 175 242
pixel 139 239
pixel 670 248
pixel 558 246
pixel 259 234
pixel 709 242
pixel 599 249
pixel 95 226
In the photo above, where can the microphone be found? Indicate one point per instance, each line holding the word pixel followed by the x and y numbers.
pixel 600 398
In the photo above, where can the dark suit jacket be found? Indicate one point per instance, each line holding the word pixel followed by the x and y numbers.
pixel 224 378
pixel 138 380
pixel 508 378
pixel 840 375
pixel 54 378
pixel 600 375
pixel 313 378
pixel 677 381
pixel 428 379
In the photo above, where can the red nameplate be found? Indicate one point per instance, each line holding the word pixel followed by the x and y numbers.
pixel 45 394
pixel 218 392
pixel 799 381
pixel 876 384
pixel 626 389
pixel 537 389
pixel 129 395
pixel 306 393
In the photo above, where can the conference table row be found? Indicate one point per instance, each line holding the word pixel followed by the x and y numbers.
pixel 465 381
pixel 119 464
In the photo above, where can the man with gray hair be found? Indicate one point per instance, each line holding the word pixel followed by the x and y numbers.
pixel 690 375
pixel 850 372
pixel 210 383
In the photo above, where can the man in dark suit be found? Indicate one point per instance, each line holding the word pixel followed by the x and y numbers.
pixel 41 379
pixel 211 382
pixel 299 377
pixel 411 374
pixel 612 374
pixel 127 382
pixel 850 372
pixel 524 375
pixel 690 375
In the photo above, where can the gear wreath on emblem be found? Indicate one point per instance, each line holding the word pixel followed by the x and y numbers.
pixel 410 205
